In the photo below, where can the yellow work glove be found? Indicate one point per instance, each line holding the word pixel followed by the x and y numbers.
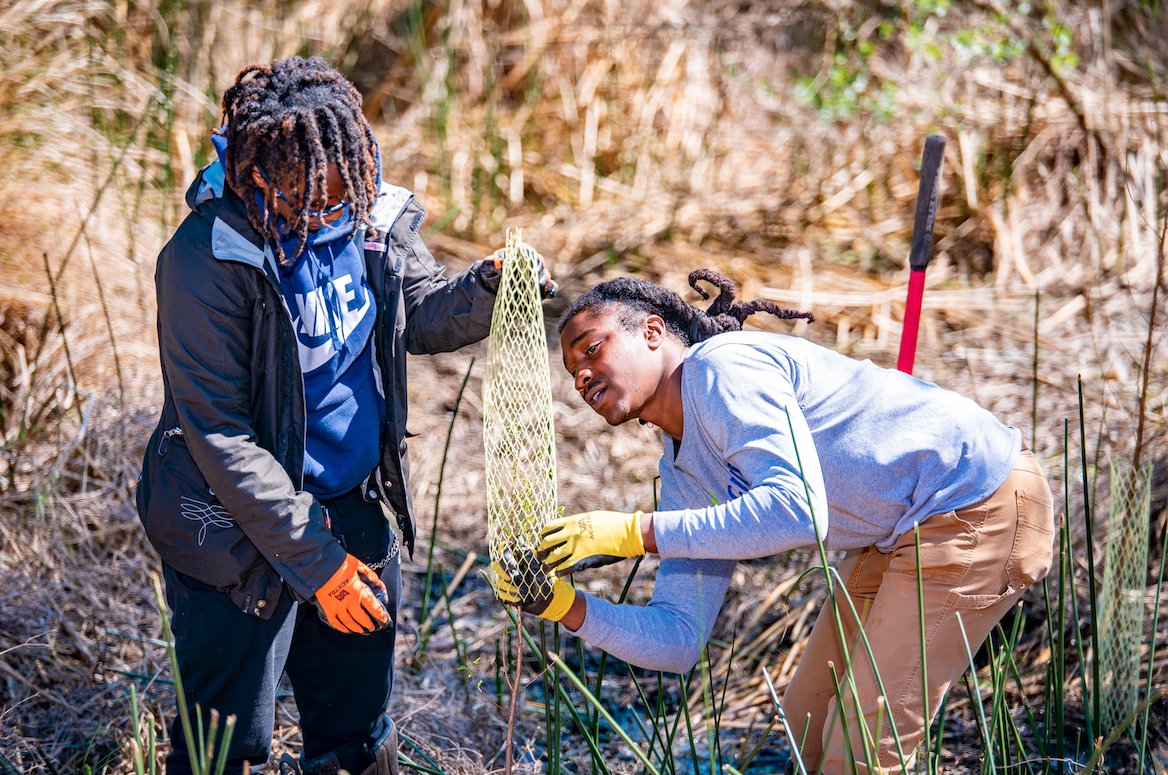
pixel 519 580
pixel 589 540
pixel 351 601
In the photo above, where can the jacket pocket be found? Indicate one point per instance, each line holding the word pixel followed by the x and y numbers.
pixel 186 523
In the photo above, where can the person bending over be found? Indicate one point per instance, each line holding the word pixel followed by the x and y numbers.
pixel 773 443
pixel 287 301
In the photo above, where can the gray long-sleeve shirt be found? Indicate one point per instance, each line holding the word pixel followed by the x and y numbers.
pixel 784 440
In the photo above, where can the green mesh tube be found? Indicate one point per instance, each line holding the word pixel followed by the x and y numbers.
pixel 1122 605
pixel 517 410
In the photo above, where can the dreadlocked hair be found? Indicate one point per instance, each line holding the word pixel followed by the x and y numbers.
pixel 634 299
pixel 292 118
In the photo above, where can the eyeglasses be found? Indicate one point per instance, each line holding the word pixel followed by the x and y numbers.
pixel 310 213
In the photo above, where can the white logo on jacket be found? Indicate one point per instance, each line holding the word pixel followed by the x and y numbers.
pixel 206 514
pixel 321 327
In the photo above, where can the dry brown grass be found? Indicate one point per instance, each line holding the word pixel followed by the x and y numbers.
pixel 637 137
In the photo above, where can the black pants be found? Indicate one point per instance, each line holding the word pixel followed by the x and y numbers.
pixel 232 661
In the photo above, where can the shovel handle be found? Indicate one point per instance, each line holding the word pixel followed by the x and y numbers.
pixel 922 239
pixel 922 248
pixel 912 322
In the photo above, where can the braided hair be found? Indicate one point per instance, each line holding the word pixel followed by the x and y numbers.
pixel 634 299
pixel 292 118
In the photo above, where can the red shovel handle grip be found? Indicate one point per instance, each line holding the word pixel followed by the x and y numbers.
pixel 922 248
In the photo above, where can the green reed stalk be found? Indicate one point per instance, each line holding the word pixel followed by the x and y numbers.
pixel 829 572
pixel 975 697
pixel 1056 682
pixel 459 645
pixel 499 671
pixel 552 742
pixel 594 718
pixel 581 724
pixel 1152 645
pixel 940 734
pixel 693 749
pixel 683 709
pixel 142 751
pixel 1094 715
pixel 1074 606
pixel 555 658
pixel 200 750
pixel 782 716
pixel 409 764
pixel 993 734
pixel 929 764
pixel 553 731
pixel 843 721
pixel 708 708
pixel 406 739
pixel 1016 673
pixel 722 700
pixel 709 711
pixel 661 713
pixel 656 736
pixel 199 730
pixel 425 608
pixel 228 731
pixel 863 635
pixel 1007 667
pixel 557 712
pixel 997 689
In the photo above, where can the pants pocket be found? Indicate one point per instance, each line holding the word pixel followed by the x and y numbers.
pixel 947 545
pixel 1033 549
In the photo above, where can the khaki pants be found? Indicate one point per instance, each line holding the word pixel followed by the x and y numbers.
pixel 976 562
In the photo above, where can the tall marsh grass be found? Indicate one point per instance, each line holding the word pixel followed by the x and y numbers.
pixel 775 141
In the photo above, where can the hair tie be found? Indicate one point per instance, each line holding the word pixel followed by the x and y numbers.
pixel 693 326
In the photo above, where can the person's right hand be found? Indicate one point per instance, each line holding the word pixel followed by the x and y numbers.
pixel 590 540
pixel 347 601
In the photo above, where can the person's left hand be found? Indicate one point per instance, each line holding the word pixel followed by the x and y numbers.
pixel 590 540
pixel 492 273
pixel 354 599
pixel 519 580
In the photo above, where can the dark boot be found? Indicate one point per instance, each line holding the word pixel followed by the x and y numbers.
pixel 377 759
pixel 384 755
pixel 325 764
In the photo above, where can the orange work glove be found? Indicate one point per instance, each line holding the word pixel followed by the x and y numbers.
pixel 349 600
pixel 492 274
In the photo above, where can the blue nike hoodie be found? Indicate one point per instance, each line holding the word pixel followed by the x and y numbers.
pixel 333 315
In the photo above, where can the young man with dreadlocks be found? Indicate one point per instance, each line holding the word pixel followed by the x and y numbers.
pixel 773 443
pixel 287 301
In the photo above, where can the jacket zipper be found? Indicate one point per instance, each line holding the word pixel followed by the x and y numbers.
pixel 275 285
pixel 166 437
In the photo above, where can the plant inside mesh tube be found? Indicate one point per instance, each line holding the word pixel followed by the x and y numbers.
pixel 518 432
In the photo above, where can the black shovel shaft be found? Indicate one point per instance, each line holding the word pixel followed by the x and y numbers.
pixel 922 238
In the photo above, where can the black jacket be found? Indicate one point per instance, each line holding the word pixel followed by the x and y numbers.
pixel 220 492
